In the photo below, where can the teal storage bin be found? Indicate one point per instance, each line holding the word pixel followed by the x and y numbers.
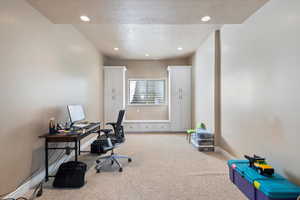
pixel 252 175
pixel 276 189
pixel 230 162
pixel 258 187
pixel 237 175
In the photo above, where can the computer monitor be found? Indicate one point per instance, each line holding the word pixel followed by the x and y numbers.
pixel 76 113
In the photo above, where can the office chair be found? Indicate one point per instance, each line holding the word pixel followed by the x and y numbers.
pixel 114 138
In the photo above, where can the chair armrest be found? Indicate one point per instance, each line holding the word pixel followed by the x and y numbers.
pixel 106 131
pixel 108 123
pixel 113 124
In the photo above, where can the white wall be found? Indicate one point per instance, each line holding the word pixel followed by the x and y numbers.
pixel 260 86
pixel 43 67
pixel 203 69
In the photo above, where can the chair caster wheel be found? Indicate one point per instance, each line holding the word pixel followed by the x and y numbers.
pixel 98 170
pixel 129 160
pixel 97 161
pixel 121 169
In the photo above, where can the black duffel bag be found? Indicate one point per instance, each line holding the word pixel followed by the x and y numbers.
pixel 70 175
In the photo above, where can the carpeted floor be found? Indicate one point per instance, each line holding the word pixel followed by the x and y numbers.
pixel 164 167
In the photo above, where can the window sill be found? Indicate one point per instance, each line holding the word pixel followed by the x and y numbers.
pixel 146 121
pixel 146 105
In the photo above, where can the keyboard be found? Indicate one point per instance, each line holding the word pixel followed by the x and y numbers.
pixel 87 127
pixel 80 125
pixel 92 125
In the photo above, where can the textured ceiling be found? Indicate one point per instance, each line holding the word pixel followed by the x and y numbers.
pixel 134 41
pixel 147 11
pixel 154 27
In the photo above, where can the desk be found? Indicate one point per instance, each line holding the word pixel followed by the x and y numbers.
pixel 66 137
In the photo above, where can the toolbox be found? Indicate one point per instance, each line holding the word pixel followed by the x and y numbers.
pixel 258 187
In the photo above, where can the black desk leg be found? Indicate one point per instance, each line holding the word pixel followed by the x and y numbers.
pixel 46 161
pixel 79 147
pixel 76 151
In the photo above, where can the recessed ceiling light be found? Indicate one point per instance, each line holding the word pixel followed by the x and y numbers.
pixel 85 18
pixel 205 18
pixel 116 49
pixel 147 55
pixel 179 48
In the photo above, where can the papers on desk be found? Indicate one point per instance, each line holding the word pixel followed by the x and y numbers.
pixel 63 131
pixel 66 132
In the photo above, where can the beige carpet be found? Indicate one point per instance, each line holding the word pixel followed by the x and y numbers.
pixel 164 167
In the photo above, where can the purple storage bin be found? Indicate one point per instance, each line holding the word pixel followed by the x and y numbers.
pixel 245 186
pixel 232 165
pixel 231 174
pixel 262 196
pixel 239 180
pixel 271 188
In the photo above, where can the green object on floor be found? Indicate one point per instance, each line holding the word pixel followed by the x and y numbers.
pixel 202 125
pixel 190 131
pixel 189 134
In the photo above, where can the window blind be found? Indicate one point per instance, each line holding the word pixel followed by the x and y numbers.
pixel 147 92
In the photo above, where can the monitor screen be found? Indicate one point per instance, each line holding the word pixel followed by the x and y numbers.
pixel 76 113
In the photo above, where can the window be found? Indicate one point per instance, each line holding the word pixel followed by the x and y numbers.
pixel 147 92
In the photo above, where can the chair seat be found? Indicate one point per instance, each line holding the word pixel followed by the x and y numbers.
pixel 116 140
pixel 106 131
pixel 107 148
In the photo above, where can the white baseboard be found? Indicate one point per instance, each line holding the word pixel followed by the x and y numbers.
pixel 225 153
pixel 154 131
pixel 36 179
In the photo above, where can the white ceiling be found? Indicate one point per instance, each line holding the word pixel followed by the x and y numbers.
pixel 147 11
pixel 134 41
pixel 154 27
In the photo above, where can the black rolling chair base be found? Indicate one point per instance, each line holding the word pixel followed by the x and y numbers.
pixel 113 158
pixel 120 170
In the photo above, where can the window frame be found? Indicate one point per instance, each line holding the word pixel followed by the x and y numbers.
pixel 148 79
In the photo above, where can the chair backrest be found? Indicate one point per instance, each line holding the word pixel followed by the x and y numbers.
pixel 119 130
pixel 120 118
